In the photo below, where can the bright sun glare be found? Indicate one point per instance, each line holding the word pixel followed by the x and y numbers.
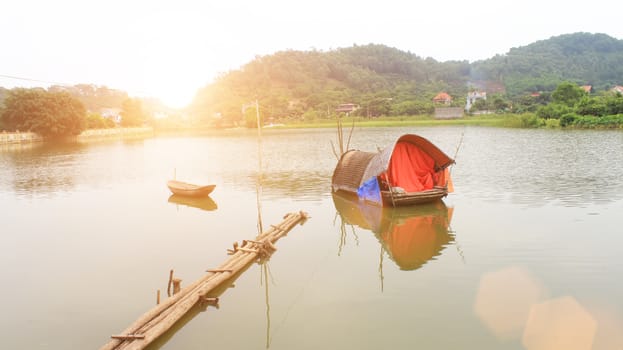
pixel 174 97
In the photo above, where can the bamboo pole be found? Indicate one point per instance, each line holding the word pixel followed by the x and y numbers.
pixel 161 318
pixel 237 259
pixel 190 298
pixel 456 153
pixel 180 310
pixel 170 283
pixel 129 336
pixel 154 328
pixel 391 192
pixel 258 185
pixel 340 136
pixel 177 285
pixel 152 317
pixel 352 127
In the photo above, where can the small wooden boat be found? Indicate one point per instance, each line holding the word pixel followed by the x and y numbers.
pixel 189 190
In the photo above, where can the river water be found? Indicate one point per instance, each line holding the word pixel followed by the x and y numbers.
pixel 525 254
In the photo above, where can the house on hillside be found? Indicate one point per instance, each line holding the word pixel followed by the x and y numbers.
pixel 473 97
pixel 587 88
pixel 442 98
pixel 618 89
pixel 113 114
pixel 346 108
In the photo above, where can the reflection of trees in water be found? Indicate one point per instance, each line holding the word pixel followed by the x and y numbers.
pixel 344 230
pixel 44 168
pixel 48 168
pixel 411 236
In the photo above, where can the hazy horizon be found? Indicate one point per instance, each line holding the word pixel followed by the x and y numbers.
pixel 153 49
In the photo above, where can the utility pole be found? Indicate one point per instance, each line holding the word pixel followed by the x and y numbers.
pixel 258 188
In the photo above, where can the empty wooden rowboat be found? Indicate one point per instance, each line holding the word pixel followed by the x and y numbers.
pixel 189 190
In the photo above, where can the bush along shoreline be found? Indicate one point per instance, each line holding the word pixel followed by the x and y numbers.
pixel 17 137
pixel 11 138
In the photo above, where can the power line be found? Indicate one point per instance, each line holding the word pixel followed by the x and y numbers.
pixel 33 80
pixel 52 82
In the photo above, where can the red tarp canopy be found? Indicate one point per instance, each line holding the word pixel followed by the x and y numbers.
pixel 411 168
pixel 417 165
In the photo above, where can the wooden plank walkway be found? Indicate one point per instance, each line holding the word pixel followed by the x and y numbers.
pixel 155 322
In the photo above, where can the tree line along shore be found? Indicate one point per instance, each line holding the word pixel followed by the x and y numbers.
pixel 53 115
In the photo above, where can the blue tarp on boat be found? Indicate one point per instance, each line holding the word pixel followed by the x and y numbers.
pixel 370 191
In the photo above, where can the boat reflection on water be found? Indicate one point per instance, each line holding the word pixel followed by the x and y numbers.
pixel 203 203
pixel 411 235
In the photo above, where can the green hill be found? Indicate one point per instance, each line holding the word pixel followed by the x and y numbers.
pixel 293 83
pixel 386 81
pixel 582 58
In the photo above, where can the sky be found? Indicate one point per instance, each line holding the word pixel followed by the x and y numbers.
pixel 170 49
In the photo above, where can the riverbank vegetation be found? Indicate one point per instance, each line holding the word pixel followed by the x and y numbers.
pixel 57 114
pixel 49 114
pixel 572 106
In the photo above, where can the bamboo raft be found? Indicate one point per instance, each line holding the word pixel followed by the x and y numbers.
pixel 155 322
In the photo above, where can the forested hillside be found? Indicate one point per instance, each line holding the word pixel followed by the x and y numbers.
pixel 582 58
pixel 387 81
pixel 382 80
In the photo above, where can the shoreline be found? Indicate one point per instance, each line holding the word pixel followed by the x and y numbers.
pixel 104 134
pixel 29 138
pixel 15 138
pixel 526 121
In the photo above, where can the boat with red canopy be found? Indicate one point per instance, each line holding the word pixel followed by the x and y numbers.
pixel 410 171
